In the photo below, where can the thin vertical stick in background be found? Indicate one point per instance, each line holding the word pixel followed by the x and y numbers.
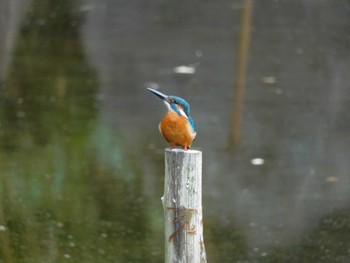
pixel 182 204
pixel 242 61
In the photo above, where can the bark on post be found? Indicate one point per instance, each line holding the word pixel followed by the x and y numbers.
pixel 182 204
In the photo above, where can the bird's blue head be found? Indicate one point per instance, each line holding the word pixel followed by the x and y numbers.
pixel 177 104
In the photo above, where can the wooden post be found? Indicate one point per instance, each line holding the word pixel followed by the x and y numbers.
pixel 182 204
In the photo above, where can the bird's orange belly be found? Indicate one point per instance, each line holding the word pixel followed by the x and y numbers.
pixel 176 130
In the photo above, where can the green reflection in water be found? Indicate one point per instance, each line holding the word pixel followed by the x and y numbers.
pixel 226 243
pixel 67 190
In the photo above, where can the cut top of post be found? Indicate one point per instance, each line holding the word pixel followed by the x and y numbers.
pixel 182 151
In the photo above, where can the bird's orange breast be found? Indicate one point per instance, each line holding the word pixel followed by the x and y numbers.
pixel 177 130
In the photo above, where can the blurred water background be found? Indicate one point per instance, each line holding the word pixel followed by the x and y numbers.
pixel 81 159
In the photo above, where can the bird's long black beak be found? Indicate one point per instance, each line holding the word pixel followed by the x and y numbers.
pixel 159 94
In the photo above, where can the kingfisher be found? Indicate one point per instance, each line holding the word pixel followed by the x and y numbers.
pixel 177 126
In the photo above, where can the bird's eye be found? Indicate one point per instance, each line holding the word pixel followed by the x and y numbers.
pixel 171 100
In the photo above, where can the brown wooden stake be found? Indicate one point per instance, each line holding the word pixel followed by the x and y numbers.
pixel 241 65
